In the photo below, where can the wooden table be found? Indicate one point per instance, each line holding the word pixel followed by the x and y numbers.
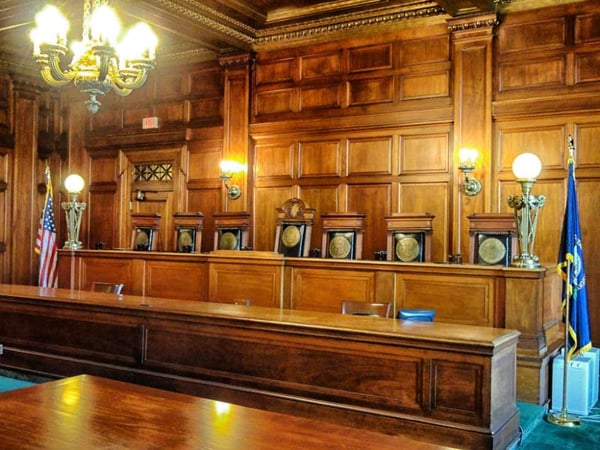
pixel 88 412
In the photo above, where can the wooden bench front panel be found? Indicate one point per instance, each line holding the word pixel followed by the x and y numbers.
pixel 469 300
pixel 432 380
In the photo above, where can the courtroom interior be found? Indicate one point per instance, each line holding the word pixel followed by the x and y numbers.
pixel 213 216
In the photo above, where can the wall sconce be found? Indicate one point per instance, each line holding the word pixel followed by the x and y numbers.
pixel 526 168
pixel 228 170
pixel 73 210
pixel 467 158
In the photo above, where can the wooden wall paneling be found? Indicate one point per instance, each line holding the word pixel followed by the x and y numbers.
pixel 432 197
pixel 209 200
pixel 320 158
pixel 587 136
pixel 370 156
pixel 111 270
pixel 471 302
pixel 103 228
pixel 424 50
pixel 103 204
pixel 110 116
pixel 205 94
pixel 373 200
pixel 204 189
pixel 326 289
pixel 266 202
pixel 171 90
pixel 424 153
pixel 423 67
pixel 274 162
pixel 187 281
pixel 323 199
pixel 424 183
pixel 256 276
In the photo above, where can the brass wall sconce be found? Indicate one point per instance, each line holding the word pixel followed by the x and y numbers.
pixel 228 170
pixel 73 210
pixel 468 157
pixel 526 168
pixel 469 186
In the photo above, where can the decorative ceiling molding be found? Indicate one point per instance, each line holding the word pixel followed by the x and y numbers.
pixel 345 23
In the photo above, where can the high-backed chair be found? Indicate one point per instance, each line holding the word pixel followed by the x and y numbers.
pixel 109 288
pixel 358 308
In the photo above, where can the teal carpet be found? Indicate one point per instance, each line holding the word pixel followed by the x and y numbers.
pixel 538 433
pixel 8 384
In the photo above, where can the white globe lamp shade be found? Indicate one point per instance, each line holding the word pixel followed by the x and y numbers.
pixel 74 184
pixel 527 166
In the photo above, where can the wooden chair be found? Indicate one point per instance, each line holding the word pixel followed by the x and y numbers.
pixel 359 308
pixel 109 288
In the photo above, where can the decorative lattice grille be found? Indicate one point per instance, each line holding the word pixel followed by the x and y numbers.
pixel 153 172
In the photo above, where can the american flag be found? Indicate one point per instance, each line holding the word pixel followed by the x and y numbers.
pixel 45 242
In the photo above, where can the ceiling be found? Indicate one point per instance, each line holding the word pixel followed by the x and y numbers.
pixel 205 29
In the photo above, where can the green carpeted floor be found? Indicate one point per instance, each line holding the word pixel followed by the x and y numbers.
pixel 538 433
pixel 8 384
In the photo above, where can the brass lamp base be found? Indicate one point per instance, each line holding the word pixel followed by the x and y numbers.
pixel 563 419
pixel 72 245
pixel 526 262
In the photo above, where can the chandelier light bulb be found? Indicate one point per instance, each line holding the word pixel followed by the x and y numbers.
pixel 105 25
pixel 527 166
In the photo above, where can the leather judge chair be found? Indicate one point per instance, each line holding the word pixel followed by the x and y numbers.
pixel 358 308
pixel 109 288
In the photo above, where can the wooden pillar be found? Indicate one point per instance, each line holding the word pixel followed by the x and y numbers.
pixel 24 208
pixel 236 119
pixel 472 63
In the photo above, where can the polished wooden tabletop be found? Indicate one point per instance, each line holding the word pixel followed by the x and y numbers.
pixel 88 412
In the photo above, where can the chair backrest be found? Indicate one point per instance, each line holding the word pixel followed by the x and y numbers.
pixel 422 315
pixel 109 288
pixel 359 308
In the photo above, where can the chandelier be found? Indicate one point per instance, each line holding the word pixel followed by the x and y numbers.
pixel 99 63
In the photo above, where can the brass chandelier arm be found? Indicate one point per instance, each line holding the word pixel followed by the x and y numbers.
pixel 132 77
pixel 49 78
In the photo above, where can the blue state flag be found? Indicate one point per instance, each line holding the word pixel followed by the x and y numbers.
pixel 571 268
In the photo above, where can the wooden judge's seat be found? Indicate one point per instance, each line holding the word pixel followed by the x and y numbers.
pixel 109 288
pixel 359 308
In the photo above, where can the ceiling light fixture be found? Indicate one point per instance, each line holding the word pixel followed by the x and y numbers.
pixel 99 63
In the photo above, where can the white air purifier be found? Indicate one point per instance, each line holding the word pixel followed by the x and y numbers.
pixel 594 354
pixel 579 385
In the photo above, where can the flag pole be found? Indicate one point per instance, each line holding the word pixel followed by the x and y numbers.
pixel 563 418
